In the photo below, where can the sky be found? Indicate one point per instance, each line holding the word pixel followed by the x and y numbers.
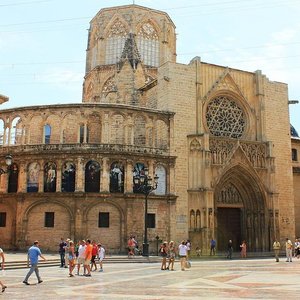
pixel 43 43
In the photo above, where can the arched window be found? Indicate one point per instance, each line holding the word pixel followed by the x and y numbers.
pixel 140 131
pixel 1 132
pixel 116 183
pixel 192 219
pixel 81 133
pixel 33 172
pixel 148 45
pixel 50 177
pixel 68 173
pixel 160 171
pixel 13 178
pixel 115 42
pixel 198 219
pixel 162 135
pixel 16 132
pixel 117 132
pixel 138 170
pixel 92 177
pixel 47 134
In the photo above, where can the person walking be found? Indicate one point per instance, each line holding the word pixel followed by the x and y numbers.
pixel 163 253
pixel 243 249
pixel 71 258
pixel 3 286
pixel 276 248
pixel 171 255
pixel 34 253
pixel 182 251
pixel 61 251
pixel 288 250
pixel 101 255
pixel 88 257
pixel 229 249
pixel 213 247
pixel 81 256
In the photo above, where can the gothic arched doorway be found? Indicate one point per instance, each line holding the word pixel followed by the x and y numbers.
pixel 240 210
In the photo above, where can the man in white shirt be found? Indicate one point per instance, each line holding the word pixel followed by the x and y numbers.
pixel 81 256
pixel 101 255
pixel 182 252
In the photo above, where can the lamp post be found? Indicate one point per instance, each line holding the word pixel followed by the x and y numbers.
pixel 145 185
pixel 8 162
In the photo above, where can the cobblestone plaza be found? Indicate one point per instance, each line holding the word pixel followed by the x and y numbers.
pixel 207 279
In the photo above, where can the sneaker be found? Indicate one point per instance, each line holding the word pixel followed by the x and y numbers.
pixel 101 270
pixel 26 282
pixel 87 275
pixel 40 281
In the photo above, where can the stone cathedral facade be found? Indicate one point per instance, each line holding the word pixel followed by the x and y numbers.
pixel 217 137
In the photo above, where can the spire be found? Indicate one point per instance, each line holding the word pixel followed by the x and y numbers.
pixel 130 52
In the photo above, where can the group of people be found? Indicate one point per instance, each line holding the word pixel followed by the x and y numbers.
pixel 290 249
pixel 133 246
pixel 84 253
pixel 243 248
pixel 168 252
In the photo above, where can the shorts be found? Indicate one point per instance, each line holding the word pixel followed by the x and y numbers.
pixel 87 262
pixel 93 258
pixel 80 260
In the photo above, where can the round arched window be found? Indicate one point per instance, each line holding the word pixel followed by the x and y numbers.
pixel 225 118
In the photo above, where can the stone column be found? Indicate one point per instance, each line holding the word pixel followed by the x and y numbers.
pixel 58 176
pixel 104 182
pixel 80 174
pixel 41 177
pixel 128 185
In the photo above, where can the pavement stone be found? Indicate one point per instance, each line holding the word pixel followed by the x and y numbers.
pixel 206 279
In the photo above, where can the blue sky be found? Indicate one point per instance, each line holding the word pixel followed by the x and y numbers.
pixel 43 43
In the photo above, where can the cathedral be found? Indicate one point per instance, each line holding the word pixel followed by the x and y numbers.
pixel 217 140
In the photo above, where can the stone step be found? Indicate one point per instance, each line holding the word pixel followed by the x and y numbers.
pixel 21 264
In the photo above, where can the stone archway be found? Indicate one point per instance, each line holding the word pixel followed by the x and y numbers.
pixel 240 210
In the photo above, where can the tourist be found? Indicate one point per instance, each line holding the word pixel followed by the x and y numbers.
pixel 276 248
pixel 101 255
pixel 61 251
pixel 88 257
pixel 171 255
pixel 163 251
pixel 66 253
pixel 229 249
pixel 297 248
pixel 288 250
pixel 3 286
pixel 243 247
pixel 71 258
pixel 182 251
pixel 34 253
pixel 131 246
pixel 212 247
pixel 81 256
pixel 189 246
pixel 94 255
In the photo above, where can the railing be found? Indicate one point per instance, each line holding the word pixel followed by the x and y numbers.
pixel 81 147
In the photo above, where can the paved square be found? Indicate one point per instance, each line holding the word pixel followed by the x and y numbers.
pixel 207 279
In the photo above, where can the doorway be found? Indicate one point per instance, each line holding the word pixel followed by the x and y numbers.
pixel 229 228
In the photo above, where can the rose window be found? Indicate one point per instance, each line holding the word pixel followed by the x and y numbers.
pixel 225 118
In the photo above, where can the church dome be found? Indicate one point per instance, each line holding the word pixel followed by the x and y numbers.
pixel 294 133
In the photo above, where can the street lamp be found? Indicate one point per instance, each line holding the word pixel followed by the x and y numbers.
pixel 145 185
pixel 8 162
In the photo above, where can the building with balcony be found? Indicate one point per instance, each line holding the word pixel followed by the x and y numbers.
pixel 217 137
